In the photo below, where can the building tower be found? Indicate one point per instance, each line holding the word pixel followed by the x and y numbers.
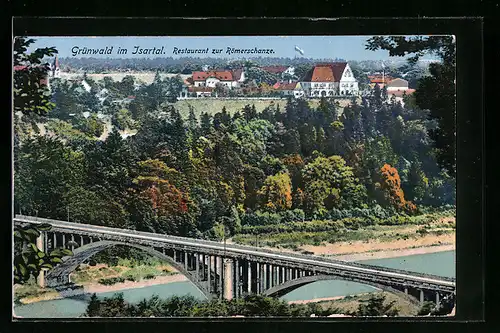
pixel 55 68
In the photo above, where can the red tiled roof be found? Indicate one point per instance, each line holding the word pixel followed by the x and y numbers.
pixel 338 69
pixel 275 69
pixel 330 72
pixel 287 86
pixel 221 75
pixel 20 68
pixel 379 79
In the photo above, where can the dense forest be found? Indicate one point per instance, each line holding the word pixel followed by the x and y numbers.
pixel 209 175
pixel 193 176
pixel 181 65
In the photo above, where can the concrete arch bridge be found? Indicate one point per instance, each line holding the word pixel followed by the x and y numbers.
pixel 231 271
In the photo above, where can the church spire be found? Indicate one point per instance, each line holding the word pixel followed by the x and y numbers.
pixel 56 63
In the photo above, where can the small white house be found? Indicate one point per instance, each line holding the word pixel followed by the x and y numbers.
pixel 298 92
pixel 86 86
pixel 290 70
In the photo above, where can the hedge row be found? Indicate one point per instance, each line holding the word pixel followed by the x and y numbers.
pixel 336 225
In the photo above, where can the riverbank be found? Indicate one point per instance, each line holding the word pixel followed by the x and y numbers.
pixel 99 288
pixel 385 254
pixel 91 288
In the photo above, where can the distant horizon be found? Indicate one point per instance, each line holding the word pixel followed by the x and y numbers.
pixel 349 48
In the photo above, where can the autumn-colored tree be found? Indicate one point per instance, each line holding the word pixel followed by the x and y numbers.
pixel 294 164
pixel 276 194
pixel 298 198
pixel 390 187
pixel 165 198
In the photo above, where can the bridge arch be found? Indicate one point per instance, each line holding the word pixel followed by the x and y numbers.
pixel 60 274
pixel 289 286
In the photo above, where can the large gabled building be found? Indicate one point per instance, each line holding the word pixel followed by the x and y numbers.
pixel 330 79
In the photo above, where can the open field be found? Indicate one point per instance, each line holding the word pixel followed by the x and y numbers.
pixel 213 105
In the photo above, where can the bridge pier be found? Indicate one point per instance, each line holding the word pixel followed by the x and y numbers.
pixel 209 274
pixel 227 268
pixel 197 265
pixel 437 299
pixel 239 280
pixel 249 277
pixel 220 265
pixel 273 276
pixel 264 277
pixel 421 296
pixel 270 279
pixel 40 244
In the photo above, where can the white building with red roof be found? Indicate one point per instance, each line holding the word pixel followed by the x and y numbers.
pixel 398 89
pixel 289 89
pixel 230 79
pixel 330 79
pixel 44 79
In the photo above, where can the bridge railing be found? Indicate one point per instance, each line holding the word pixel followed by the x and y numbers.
pixel 228 247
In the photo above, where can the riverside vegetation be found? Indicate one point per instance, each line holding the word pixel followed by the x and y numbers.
pixel 373 304
pixel 133 265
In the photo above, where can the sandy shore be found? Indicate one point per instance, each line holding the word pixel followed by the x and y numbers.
pixel 99 288
pixel 383 249
pixel 394 253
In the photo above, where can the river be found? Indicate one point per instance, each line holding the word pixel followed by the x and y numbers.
pixel 439 263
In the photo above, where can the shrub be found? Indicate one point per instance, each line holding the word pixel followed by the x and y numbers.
pixel 261 218
pixel 111 281
pixel 292 216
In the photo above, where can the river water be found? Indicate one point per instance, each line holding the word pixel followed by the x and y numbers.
pixel 440 263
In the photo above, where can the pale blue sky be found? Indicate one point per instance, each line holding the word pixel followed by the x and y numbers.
pixel 345 47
